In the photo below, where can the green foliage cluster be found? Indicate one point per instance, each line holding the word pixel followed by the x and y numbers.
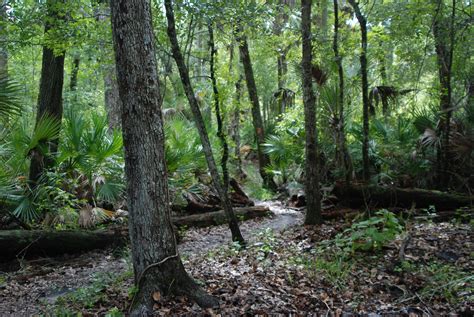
pixel 370 234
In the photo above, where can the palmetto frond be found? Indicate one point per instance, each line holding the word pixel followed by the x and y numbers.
pixel 9 100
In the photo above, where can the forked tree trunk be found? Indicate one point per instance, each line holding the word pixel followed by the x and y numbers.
pixel 50 96
pixel 312 187
pixel 342 154
pixel 365 88
pixel 263 158
pixel 156 262
pixel 199 122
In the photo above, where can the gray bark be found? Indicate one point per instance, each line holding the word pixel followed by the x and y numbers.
pixel 312 186
pixel 50 98
pixel 342 154
pixel 157 264
pixel 263 158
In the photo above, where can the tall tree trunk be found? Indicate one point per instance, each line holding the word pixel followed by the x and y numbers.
pixel 113 104
pixel 235 121
pixel 236 125
pixel 263 158
pixel 75 71
pixel 156 262
pixel 220 128
pixel 323 19
pixel 343 157
pixel 199 122
pixel 50 96
pixel 312 187
pixel 280 20
pixel 443 33
pixel 365 88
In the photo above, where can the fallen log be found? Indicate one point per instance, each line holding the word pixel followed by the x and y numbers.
pixel 355 196
pixel 41 243
pixel 218 217
pixel 30 243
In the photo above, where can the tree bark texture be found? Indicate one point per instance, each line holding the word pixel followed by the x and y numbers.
pixel 220 128
pixel 312 187
pixel 113 104
pixel 365 88
pixel 342 154
pixel 199 122
pixel 50 96
pixel 443 33
pixel 156 262
pixel 263 158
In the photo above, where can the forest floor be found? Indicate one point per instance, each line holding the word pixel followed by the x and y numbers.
pixel 286 268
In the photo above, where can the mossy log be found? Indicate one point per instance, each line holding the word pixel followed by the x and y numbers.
pixel 218 217
pixel 356 196
pixel 33 243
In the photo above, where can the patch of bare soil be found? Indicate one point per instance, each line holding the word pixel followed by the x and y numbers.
pixel 279 272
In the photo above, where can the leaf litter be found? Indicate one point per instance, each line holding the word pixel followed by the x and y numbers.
pixel 283 270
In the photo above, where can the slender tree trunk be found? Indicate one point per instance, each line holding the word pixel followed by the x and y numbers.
pixel 199 122
pixel 234 129
pixel 365 88
pixel 312 187
pixel 443 34
pixel 156 262
pixel 236 125
pixel 75 71
pixel 263 158
pixel 220 128
pixel 50 96
pixel 112 102
pixel 343 158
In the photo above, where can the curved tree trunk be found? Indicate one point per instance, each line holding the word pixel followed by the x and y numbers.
pixel 365 88
pixel 312 187
pixel 199 122
pixel 263 158
pixel 156 262
pixel 50 96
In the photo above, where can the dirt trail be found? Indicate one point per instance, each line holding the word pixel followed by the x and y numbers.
pixel 206 239
pixel 40 282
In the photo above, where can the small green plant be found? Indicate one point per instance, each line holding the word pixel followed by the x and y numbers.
pixel 448 282
pixel 335 270
pixel 182 231
pixel 406 266
pixel 114 312
pixel 266 243
pixel 368 235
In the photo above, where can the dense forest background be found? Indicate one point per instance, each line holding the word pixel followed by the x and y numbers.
pixel 259 99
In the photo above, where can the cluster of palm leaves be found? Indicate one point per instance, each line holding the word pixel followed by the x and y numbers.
pixel 88 167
